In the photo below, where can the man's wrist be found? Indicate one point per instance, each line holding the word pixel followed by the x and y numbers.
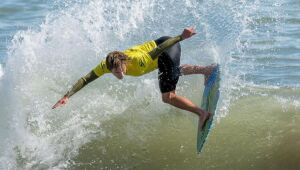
pixel 181 38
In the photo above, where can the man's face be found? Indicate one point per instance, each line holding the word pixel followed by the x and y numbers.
pixel 118 72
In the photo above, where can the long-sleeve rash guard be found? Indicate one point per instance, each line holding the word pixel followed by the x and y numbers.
pixel 142 59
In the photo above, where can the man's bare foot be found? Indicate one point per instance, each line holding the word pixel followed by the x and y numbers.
pixel 209 69
pixel 203 118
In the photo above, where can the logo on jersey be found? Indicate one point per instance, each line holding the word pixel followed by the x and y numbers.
pixel 141 63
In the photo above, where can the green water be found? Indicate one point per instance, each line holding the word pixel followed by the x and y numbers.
pixel 252 136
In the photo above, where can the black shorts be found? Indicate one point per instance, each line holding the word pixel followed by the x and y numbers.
pixel 168 66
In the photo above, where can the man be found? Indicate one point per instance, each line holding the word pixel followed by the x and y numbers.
pixel 164 54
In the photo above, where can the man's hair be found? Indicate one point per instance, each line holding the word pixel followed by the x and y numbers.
pixel 114 59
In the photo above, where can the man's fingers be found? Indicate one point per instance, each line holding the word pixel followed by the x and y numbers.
pixel 55 106
pixel 192 31
pixel 59 103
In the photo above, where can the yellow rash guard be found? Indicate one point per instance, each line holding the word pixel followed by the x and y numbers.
pixel 139 63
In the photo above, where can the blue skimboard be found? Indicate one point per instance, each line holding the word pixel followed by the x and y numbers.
pixel 209 103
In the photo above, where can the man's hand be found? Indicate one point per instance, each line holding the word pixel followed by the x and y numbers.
pixel 188 32
pixel 61 102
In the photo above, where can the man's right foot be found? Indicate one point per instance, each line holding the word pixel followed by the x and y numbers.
pixel 203 118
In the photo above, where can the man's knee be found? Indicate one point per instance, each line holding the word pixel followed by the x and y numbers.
pixel 168 97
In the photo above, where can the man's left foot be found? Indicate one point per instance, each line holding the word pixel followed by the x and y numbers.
pixel 209 70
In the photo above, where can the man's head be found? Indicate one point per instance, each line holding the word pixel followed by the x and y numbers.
pixel 115 62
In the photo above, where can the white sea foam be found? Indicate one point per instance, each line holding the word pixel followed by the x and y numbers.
pixel 43 63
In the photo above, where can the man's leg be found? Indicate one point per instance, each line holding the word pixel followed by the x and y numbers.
pixel 185 104
pixel 169 71
pixel 187 69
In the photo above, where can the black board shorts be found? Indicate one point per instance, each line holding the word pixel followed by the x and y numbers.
pixel 168 66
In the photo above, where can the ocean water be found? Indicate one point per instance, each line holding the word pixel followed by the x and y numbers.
pixel 45 46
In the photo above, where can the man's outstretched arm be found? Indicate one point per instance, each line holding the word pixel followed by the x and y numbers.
pixel 83 81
